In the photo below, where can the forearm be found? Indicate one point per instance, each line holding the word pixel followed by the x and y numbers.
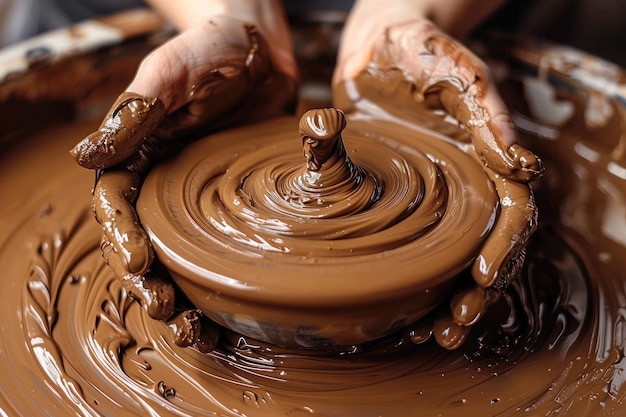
pixel 456 17
pixel 266 15
pixel 459 17
pixel 464 15
pixel 188 13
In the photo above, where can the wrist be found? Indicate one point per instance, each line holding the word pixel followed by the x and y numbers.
pixel 185 14
pixel 267 16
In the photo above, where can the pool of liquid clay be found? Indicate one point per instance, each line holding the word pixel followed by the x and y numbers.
pixel 72 342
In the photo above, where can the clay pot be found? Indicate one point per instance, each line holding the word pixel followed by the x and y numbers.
pixel 273 264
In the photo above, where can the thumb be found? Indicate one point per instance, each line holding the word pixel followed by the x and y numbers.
pixel 128 122
pixel 160 79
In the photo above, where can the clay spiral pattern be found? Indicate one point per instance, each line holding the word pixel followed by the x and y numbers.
pixel 384 218
pixel 75 343
pixel 390 200
pixel 266 198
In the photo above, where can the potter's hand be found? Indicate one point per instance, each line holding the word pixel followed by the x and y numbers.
pixel 216 73
pixel 445 75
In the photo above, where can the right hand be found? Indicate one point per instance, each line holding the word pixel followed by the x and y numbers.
pixel 382 43
pixel 217 73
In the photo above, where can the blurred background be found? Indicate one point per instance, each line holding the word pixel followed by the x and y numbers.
pixel 595 26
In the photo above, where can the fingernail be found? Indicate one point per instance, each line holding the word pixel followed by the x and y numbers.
pixel 185 327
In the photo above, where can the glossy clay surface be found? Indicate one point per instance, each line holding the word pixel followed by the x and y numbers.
pixel 72 326
pixel 226 217
pixel 73 343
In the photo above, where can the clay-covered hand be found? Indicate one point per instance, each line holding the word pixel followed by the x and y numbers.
pixel 216 73
pixel 445 75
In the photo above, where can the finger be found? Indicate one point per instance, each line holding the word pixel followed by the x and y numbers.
pixel 449 334
pixel 125 127
pixel 420 331
pixel 186 327
pixel 502 256
pixel 464 87
pixel 491 129
pixel 113 205
pixel 470 304
pixel 191 327
pixel 153 293
pixel 438 69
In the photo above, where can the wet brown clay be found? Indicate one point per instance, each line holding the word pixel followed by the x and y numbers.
pixel 74 343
